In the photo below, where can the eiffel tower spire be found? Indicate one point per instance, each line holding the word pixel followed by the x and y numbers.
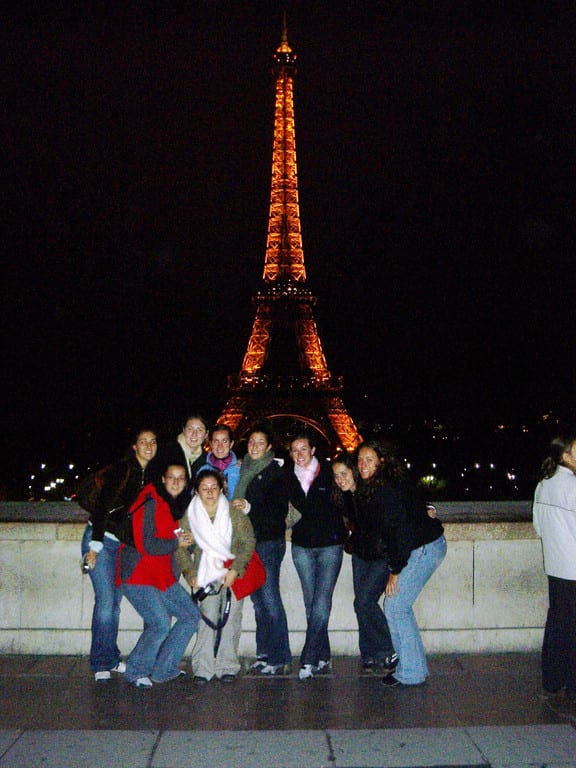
pixel 284 373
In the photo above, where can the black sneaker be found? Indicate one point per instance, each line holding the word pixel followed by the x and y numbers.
pixel 390 662
pixel 390 681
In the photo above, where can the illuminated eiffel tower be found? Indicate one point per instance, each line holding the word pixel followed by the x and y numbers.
pixel 284 373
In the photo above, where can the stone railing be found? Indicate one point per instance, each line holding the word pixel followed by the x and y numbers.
pixel 490 594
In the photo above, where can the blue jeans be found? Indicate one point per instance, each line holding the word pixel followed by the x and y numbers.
pixel 370 578
pixel 161 646
pixel 104 651
pixel 271 626
pixel 412 668
pixel 318 569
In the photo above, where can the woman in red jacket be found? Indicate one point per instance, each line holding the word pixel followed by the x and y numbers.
pixel 149 583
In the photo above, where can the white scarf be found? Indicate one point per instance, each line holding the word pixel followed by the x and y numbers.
pixel 190 456
pixel 307 474
pixel 214 538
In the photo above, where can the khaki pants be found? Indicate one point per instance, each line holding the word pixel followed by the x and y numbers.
pixel 226 662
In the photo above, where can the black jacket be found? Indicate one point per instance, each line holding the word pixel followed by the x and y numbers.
pixel 122 484
pixel 268 503
pixel 321 524
pixel 392 522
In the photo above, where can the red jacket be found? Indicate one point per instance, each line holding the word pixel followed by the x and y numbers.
pixel 150 563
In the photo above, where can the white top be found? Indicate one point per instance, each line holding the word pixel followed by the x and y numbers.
pixel 554 516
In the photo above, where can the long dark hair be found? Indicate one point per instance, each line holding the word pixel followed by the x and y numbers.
pixel 556 450
pixel 391 467
pixel 349 460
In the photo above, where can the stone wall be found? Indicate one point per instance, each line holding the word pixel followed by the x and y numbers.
pixel 490 594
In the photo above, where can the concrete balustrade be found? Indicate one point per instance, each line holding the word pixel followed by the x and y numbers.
pixel 490 594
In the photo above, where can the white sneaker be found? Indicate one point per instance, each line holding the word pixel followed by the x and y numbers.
pixel 258 665
pixel 104 675
pixel 306 672
pixel 323 668
pixel 143 682
pixel 271 670
pixel 120 668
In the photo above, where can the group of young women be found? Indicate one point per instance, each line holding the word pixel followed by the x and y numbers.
pixel 363 503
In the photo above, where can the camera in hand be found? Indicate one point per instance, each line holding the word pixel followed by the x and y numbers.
pixel 209 589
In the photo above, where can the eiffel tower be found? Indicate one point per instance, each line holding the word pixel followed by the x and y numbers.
pixel 284 373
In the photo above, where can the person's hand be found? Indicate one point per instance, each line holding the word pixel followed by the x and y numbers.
pixel 90 559
pixel 230 577
pixel 392 585
pixel 185 539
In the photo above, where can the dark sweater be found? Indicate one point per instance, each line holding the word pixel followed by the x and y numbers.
pixel 122 484
pixel 392 522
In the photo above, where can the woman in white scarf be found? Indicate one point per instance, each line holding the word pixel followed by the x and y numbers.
pixel 221 534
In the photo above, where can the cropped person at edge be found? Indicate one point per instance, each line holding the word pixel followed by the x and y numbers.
pixel 261 494
pixel 554 514
pixel 122 484
pixel 317 552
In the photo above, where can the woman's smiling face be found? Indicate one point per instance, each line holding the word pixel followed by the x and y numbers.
pixel 368 463
pixel 258 445
pixel 343 476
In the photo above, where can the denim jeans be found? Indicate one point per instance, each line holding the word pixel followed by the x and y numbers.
pixel 161 646
pixel 318 569
pixel 104 651
pixel 271 625
pixel 370 578
pixel 412 668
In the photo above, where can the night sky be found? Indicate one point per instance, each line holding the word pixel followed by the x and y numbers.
pixel 437 181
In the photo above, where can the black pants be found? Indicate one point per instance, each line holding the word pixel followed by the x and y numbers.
pixel 559 647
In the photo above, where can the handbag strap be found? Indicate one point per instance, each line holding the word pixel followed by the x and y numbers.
pixel 221 623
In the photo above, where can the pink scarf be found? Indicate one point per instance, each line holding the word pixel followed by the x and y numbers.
pixel 307 474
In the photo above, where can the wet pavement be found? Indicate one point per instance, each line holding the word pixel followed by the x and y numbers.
pixel 474 710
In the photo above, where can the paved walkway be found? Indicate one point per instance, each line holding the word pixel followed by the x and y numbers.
pixel 475 710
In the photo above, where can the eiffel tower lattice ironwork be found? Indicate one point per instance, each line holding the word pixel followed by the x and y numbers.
pixel 284 373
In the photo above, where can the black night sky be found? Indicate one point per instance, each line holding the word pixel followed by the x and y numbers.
pixel 437 180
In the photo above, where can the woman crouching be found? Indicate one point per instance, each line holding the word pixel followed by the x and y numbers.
pixel 146 573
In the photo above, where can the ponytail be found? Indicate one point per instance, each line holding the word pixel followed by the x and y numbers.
pixel 558 447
